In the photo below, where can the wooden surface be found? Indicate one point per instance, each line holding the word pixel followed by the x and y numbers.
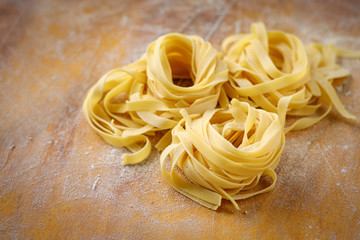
pixel 59 180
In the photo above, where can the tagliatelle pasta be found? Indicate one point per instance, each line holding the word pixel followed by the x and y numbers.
pixel 216 148
pixel 224 153
pixel 278 73
pixel 190 61
pixel 100 108
pixel 177 72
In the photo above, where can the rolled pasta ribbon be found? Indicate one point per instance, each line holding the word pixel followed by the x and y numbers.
pixel 224 153
pixel 185 72
pixel 126 105
pixel 125 129
pixel 276 72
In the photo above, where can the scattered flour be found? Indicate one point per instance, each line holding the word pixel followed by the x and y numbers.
pixel 59 174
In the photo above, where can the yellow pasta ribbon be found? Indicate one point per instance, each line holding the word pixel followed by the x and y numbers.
pixel 176 72
pixel 100 108
pixel 224 153
pixel 275 71
pixel 214 149
pixel 185 72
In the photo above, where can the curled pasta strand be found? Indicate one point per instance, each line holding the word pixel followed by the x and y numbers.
pixel 278 73
pixel 182 85
pixel 223 153
pixel 117 130
pixel 126 105
pixel 174 60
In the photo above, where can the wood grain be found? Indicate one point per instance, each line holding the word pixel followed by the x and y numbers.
pixel 59 180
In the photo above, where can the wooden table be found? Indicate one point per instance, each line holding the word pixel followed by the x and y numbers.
pixel 60 180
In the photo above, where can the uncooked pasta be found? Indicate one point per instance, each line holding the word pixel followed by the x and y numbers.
pixel 223 116
pixel 275 71
pixel 224 153
pixel 177 72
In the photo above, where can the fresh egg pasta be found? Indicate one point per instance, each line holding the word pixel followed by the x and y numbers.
pixel 276 72
pixel 224 153
pixel 222 115
pixel 177 72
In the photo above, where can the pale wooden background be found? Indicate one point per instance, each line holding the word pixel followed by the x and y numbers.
pixel 51 52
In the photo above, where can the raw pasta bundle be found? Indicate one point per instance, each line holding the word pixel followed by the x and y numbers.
pixel 128 104
pixel 103 105
pixel 224 153
pixel 277 73
pixel 214 148
pixel 185 72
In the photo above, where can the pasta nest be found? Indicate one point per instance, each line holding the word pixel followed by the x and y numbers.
pixel 214 148
pixel 224 153
pixel 176 72
pixel 185 72
pixel 275 71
